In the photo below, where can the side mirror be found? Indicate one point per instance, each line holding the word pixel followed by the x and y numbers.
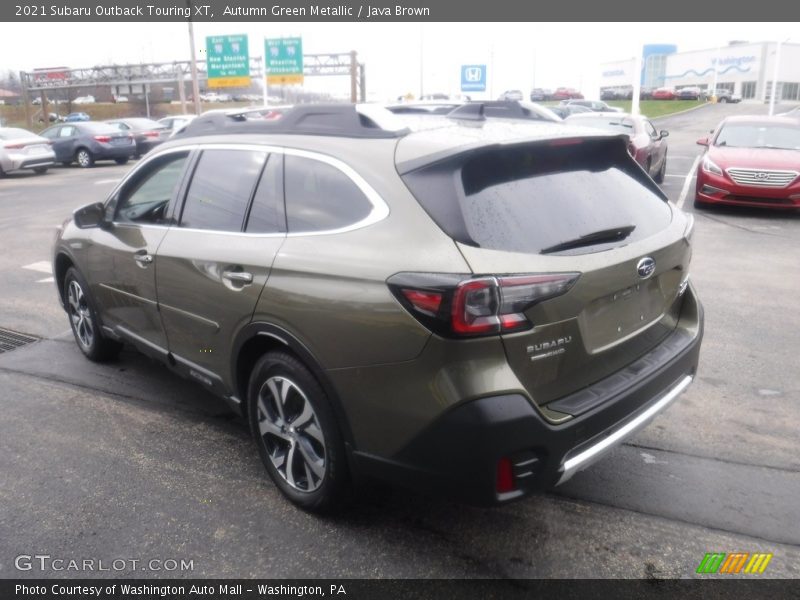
pixel 91 215
pixel 702 142
pixel 663 133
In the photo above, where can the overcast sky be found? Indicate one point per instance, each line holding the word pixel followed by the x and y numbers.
pixel 519 55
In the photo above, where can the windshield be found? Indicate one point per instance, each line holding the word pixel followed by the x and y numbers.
pixel 785 137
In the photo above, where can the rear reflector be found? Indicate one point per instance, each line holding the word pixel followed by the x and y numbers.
pixel 505 476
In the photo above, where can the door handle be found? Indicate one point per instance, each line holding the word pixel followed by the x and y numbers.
pixel 143 259
pixel 238 276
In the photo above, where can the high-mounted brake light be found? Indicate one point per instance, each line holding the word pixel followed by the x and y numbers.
pixel 459 306
pixel 565 142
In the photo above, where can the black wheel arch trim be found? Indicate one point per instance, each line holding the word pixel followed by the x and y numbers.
pixel 294 345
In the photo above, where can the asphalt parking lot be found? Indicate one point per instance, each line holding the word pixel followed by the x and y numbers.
pixel 128 461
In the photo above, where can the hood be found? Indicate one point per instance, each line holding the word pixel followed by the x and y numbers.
pixel 755 158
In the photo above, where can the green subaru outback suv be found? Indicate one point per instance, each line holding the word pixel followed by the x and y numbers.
pixel 479 307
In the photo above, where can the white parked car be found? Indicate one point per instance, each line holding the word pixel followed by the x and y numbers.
pixel 84 100
pixel 21 149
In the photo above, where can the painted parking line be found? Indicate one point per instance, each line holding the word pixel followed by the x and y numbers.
pixel 43 266
pixel 688 182
pixel 102 181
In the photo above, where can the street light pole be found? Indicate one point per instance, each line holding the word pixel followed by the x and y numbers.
pixel 195 83
pixel 775 73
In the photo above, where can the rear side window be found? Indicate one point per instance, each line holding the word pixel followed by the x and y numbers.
pixel 221 189
pixel 532 199
pixel 320 197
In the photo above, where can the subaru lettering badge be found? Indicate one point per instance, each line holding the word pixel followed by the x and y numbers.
pixel 645 267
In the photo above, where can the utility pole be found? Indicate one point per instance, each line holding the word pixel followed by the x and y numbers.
pixel 775 73
pixel 195 83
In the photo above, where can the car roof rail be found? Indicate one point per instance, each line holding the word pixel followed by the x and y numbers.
pixel 338 120
pixel 504 109
pixel 471 111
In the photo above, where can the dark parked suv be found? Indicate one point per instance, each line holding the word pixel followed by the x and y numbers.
pixel 479 307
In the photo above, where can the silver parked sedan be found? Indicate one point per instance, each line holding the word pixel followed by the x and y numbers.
pixel 20 149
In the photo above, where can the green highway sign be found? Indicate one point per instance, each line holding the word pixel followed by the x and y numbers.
pixel 228 61
pixel 284 60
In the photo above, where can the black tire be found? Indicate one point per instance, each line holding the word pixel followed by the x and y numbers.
pixel 84 322
pixel 84 158
pixel 659 178
pixel 723 100
pixel 2 173
pixel 40 170
pixel 321 487
pixel 121 161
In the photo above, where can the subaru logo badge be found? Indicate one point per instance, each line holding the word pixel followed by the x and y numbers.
pixel 646 267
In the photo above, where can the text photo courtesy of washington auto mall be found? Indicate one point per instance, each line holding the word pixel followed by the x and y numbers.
pixel 413 300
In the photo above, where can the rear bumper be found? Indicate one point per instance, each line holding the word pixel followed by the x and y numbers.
pixel 20 160
pixel 109 152
pixel 458 454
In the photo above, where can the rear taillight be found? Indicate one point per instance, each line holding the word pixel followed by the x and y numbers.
pixel 150 134
pixel 103 138
pixel 13 146
pixel 460 306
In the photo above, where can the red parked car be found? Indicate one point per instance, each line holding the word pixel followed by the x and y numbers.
pixel 646 145
pixel 751 161
pixel 664 94
pixel 564 93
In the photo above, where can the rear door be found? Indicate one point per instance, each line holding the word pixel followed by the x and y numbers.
pixel 583 209
pixel 212 266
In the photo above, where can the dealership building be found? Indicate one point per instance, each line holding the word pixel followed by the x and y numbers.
pixel 744 68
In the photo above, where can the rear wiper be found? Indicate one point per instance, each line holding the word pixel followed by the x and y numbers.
pixel 603 236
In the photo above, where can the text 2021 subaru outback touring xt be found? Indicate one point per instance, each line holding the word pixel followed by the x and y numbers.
pixel 477 307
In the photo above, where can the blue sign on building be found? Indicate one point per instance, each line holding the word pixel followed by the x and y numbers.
pixel 473 78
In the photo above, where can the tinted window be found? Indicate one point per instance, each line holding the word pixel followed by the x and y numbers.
pixel 266 213
pixel 96 128
pixel 145 199
pixel 221 188
pixel 530 199
pixel 66 132
pixel 320 197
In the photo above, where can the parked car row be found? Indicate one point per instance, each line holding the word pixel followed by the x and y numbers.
pixel 562 93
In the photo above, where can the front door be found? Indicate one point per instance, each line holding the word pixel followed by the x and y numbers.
pixel 121 257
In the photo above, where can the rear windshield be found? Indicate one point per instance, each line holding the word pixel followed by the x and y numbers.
pixel 94 128
pixel 536 199
pixel 143 124
pixel 11 133
pixel 615 124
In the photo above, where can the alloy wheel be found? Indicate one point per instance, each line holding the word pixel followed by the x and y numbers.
pixel 84 159
pixel 79 315
pixel 291 432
